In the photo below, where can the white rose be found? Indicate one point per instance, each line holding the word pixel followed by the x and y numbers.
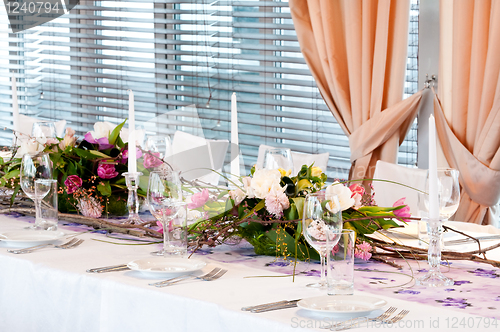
pixel 29 146
pixel 237 195
pixel 102 129
pixel 343 194
pixel 263 180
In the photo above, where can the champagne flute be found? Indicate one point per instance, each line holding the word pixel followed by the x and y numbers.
pixel 321 224
pixel 165 201
pixel 275 158
pixel 35 166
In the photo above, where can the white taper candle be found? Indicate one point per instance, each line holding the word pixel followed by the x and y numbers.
pixel 132 155
pixel 15 105
pixel 433 174
pixel 235 156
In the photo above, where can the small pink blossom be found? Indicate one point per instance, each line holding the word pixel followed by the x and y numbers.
pixel 363 251
pixel 89 207
pixel 357 193
pixel 151 159
pixel 72 183
pixel 198 199
pixel 124 159
pixel 106 171
pixel 277 201
pixel 403 212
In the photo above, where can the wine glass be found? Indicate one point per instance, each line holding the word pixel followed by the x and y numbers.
pixel 321 224
pixel 158 148
pixel 35 166
pixel 165 201
pixel 43 130
pixel 275 158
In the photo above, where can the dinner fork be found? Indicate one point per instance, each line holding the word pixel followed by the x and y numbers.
pixel 347 324
pixel 207 277
pixel 73 243
pixel 398 317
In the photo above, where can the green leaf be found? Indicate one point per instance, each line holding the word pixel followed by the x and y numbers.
pixel 104 188
pixel 12 174
pixel 299 205
pixel 90 154
pixel 13 197
pixel 115 133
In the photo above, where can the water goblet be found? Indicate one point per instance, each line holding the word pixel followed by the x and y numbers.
pixel 275 158
pixel 165 201
pixel 35 166
pixel 43 130
pixel 321 223
pixel 157 149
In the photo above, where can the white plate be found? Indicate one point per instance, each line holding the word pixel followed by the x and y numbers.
pixel 30 237
pixel 342 304
pixel 164 267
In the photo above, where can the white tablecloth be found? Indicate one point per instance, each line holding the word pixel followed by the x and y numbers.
pixel 49 290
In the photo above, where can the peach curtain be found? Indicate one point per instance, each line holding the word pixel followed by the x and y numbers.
pixel 470 130
pixel 356 51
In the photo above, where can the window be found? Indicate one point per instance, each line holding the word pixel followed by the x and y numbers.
pixel 173 54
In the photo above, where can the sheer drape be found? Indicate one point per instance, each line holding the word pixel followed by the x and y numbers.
pixel 470 130
pixel 356 51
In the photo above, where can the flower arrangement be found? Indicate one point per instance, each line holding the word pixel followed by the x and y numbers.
pixel 266 210
pixel 88 170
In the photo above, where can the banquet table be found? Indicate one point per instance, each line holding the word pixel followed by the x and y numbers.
pixel 50 290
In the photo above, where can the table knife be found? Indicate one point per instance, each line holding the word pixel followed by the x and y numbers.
pixel 265 305
pixel 290 304
pixel 120 267
pixel 466 240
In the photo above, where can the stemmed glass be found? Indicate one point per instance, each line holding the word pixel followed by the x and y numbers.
pixel 35 166
pixel 43 130
pixel 449 198
pixel 159 147
pixel 321 223
pixel 275 158
pixel 165 201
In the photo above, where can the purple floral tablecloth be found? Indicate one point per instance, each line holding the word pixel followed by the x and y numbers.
pixel 476 289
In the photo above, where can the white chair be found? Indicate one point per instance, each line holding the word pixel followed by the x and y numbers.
pixel 386 193
pixel 197 157
pixel 298 158
pixel 320 160
pixel 27 124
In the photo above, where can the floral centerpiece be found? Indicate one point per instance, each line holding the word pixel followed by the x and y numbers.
pixel 89 171
pixel 266 210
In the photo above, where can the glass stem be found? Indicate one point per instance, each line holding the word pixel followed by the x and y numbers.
pixel 166 234
pixel 322 256
pixel 38 210
pixel 434 230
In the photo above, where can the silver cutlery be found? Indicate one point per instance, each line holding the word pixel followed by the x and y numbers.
pixel 216 273
pixel 265 305
pixel 393 320
pixel 468 239
pixel 286 305
pixel 73 243
pixel 351 323
pixel 113 268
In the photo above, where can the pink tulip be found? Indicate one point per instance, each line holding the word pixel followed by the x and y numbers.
pixel 403 212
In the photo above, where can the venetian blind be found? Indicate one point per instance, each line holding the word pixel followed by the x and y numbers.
pixel 175 55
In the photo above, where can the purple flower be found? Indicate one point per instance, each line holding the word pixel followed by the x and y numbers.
pixel 313 273
pixel 106 171
pixel 124 159
pixel 485 273
pixel 103 141
pixel 278 264
pixel 72 183
pixel 461 282
pixel 151 159
pixel 407 291
pixel 457 303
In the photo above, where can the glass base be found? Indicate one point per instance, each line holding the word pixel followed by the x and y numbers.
pixel 318 285
pixel 434 279
pixel 133 220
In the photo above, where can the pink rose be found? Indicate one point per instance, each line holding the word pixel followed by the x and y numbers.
pixel 403 212
pixel 151 159
pixel 357 193
pixel 72 183
pixel 106 171
pixel 198 199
